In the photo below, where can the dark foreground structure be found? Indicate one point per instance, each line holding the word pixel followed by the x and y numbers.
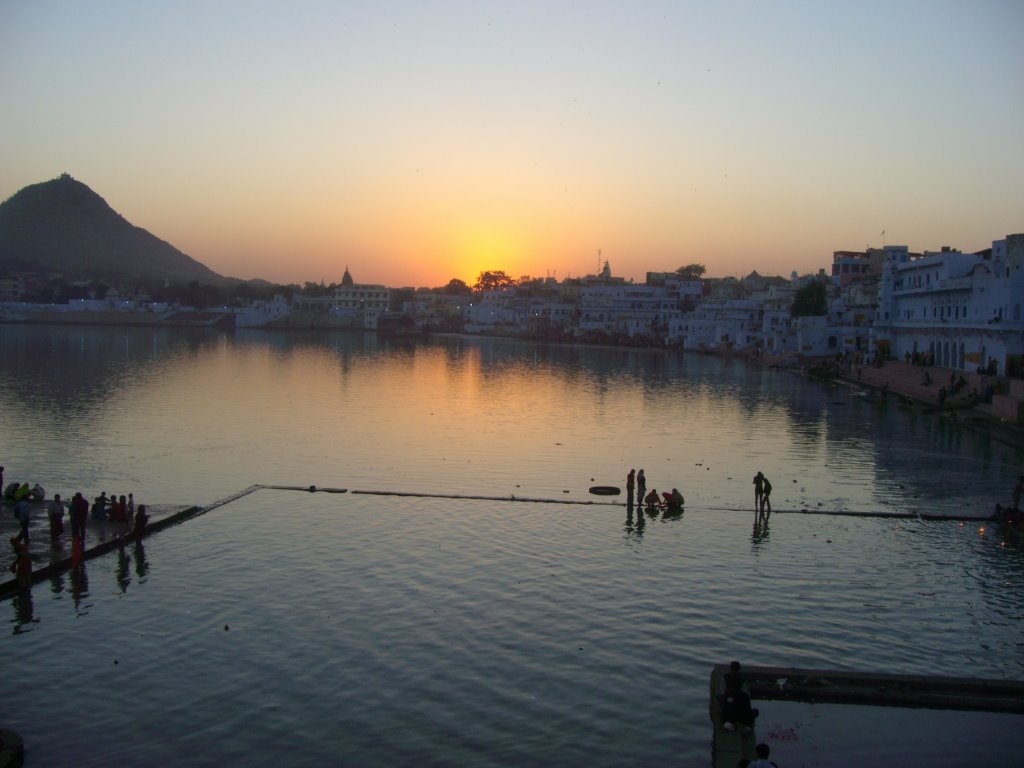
pixel 845 687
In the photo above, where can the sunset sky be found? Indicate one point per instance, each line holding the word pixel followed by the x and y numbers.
pixel 415 142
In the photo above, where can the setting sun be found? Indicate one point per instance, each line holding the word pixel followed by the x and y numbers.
pixel 485 248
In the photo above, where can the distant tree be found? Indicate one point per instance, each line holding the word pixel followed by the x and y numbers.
pixel 810 300
pixel 243 293
pixel 318 289
pixel 70 292
pixel 691 272
pixel 455 286
pixel 492 281
pixel 194 294
pixel 399 296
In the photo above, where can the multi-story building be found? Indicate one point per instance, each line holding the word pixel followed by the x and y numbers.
pixel 12 288
pixel 362 304
pixel 956 310
pixel 626 309
pixel 491 312
pixel 857 266
pixel 727 325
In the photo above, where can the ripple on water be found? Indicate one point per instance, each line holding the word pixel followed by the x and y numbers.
pixel 448 632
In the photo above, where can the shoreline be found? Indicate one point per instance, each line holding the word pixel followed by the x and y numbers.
pixel 901 382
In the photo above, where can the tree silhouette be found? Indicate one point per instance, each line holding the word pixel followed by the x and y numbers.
pixel 691 272
pixel 455 286
pixel 492 281
pixel 809 300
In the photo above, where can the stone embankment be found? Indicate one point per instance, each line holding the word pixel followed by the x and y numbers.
pixel 1002 417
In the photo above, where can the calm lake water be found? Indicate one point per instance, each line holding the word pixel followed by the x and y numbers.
pixel 353 629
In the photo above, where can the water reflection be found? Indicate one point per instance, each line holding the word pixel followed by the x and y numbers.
pixel 79 587
pixel 74 369
pixel 141 563
pixel 193 415
pixel 23 611
pixel 123 566
pixel 634 528
pixel 760 532
pixel 672 513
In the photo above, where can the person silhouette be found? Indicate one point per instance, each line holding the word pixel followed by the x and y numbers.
pixel 766 502
pixel 758 490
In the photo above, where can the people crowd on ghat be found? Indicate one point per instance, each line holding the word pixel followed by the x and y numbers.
pixel 117 512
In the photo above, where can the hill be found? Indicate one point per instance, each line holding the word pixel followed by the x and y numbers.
pixel 63 226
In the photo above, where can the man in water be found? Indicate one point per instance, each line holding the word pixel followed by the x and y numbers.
pixel 78 513
pixel 766 492
pixel 23 512
pixel 141 521
pixel 56 515
pixel 758 490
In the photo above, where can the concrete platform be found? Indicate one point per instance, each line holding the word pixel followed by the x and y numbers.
pixel 869 691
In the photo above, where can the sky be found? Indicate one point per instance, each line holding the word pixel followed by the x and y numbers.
pixel 417 142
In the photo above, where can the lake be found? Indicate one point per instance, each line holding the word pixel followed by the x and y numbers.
pixel 359 629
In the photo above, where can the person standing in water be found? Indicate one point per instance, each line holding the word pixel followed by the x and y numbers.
pixel 766 503
pixel 641 486
pixel 56 515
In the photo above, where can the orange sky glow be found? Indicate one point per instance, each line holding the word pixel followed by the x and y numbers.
pixel 416 143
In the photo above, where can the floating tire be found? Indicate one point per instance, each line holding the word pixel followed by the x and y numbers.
pixel 605 490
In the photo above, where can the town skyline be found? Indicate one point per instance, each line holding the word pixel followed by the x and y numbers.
pixel 419 144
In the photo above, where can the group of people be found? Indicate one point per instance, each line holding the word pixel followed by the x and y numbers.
pixel 637 482
pixel 636 487
pixel 120 510
pixel 762 496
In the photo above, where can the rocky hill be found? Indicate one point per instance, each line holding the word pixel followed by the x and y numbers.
pixel 63 226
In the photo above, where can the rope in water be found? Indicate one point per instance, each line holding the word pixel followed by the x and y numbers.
pixel 593 502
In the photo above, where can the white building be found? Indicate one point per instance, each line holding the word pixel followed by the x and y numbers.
pixel 627 309
pixel 362 304
pixel 261 313
pixel 725 325
pixel 956 310
pixel 491 312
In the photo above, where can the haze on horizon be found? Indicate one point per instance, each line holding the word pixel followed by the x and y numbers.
pixel 417 142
